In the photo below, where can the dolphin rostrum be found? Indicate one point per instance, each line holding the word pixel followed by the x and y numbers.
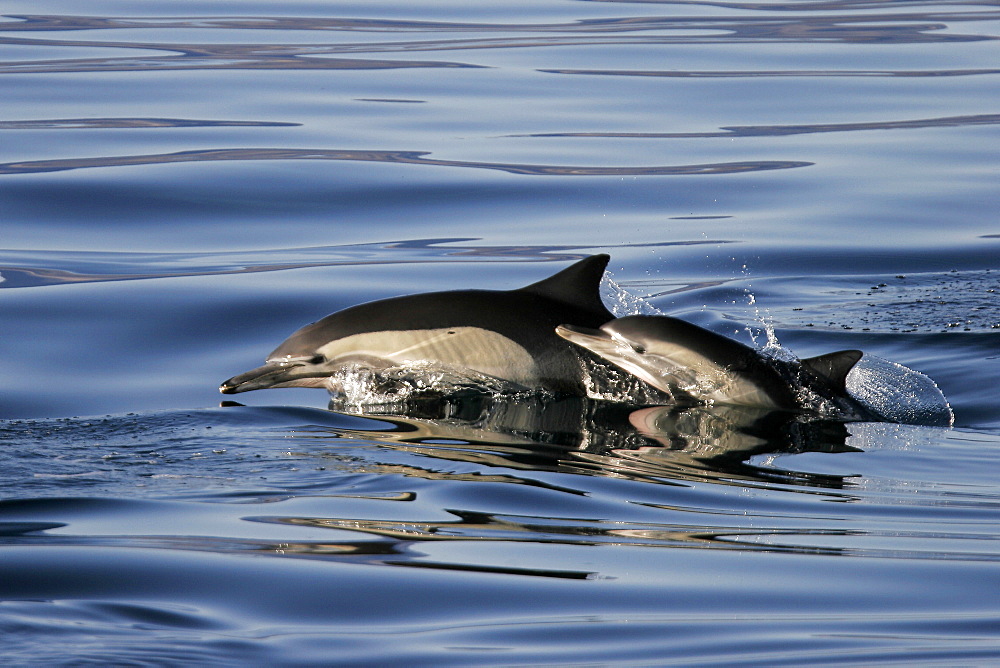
pixel 508 335
pixel 694 364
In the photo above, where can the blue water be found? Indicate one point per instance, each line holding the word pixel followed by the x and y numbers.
pixel 184 184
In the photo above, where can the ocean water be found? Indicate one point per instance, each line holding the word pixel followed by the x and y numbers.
pixel 183 184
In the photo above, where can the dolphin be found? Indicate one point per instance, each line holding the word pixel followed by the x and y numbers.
pixel 696 365
pixel 508 335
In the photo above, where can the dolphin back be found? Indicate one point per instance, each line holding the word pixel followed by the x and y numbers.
pixel 576 291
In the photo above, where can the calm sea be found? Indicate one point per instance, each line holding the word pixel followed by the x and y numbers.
pixel 183 184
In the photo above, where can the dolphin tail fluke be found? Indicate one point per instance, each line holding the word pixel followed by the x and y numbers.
pixel 834 367
pixel 577 285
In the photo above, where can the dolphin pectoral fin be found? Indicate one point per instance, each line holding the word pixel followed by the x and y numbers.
pixel 834 367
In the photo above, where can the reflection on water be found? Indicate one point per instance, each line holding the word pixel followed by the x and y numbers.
pixel 419 158
pixel 783 130
pixel 805 27
pixel 582 436
pixel 742 74
pixel 25 269
pixel 134 123
pixel 400 157
pixel 244 521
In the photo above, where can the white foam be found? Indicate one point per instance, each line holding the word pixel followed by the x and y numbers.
pixel 898 393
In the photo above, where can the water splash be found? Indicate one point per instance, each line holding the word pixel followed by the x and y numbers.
pixel 771 347
pixel 898 393
pixel 362 387
pixel 621 302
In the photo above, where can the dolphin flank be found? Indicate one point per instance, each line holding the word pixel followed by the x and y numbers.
pixel 504 334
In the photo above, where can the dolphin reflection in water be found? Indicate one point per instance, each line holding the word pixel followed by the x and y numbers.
pixel 594 437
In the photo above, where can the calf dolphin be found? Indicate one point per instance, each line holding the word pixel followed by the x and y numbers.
pixel 694 364
pixel 508 335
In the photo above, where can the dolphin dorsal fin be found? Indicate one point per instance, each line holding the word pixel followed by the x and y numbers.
pixel 834 367
pixel 579 284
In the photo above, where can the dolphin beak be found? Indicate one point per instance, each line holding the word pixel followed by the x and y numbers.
pixel 617 351
pixel 602 344
pixel 274 374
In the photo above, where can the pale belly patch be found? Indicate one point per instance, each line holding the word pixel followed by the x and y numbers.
pixel 481 350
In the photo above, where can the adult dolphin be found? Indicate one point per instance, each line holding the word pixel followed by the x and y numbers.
pixel 694 364
pixel 508 335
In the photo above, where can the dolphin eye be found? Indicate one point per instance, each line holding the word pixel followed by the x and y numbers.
pixel 317 359
pixel 639 349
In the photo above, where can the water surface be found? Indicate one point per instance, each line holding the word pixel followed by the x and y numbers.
pixel 184 184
